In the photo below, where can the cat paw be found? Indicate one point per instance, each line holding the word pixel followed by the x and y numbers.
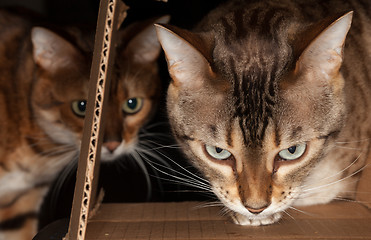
pixel 243 220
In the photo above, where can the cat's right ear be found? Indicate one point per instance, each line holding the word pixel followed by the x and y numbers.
pixel 321 46
pixel 50 51
pixel 188 66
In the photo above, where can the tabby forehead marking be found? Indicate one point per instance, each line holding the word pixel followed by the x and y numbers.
pixel 253 70
pixel 254 102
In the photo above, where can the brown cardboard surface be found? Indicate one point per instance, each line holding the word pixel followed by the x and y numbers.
pixel 188 220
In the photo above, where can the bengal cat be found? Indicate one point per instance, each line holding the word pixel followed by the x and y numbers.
pixel 271 101
pixel 43 91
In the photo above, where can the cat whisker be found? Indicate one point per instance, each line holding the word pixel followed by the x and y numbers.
pixel 58 162
pixel 357 141
pixel 160 146
pixel 349 148
pixel 39 141
pixel 59 150
pixel 142 149
pixel 356 192
pixel 309 194
pixel 206 192
pixel 301 211
pixel 191 175
pixel 157 135
pixel 350 200
pixel 335 198
pixel 209 204
pixel 55 152
pixel 156 124
pixel 139 161
pixel 338 173
pixel 194 176
pixel 288 214
pixel 335 182
pixel 152 154
pixel 151 143
pixel 225 211
pixel 182 180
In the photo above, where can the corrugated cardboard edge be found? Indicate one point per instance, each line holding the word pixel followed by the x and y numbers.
pixel 364 185
pixel 111 15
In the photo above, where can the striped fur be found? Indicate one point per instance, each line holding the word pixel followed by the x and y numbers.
pixel 258 77
pixel 41 74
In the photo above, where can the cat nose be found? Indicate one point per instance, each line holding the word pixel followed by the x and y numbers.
pixel 256 210
pixel 111 146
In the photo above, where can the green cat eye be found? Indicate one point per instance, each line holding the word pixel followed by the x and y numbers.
pixel 79 107
pixel 293 152
pixel 132 105
pixel 217 153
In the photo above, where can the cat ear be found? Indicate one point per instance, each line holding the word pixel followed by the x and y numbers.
pixel 144 47
pixel 50 51
pixel 324 54
pixel 185 55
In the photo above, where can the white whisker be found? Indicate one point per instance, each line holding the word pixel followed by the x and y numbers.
pixel 335 182
pixel 209 204
pixel 301 211
pixel 140 163
pixel 288 214
pixel 350 148
pixel 338 173
pixel 195 176
pixel 186 181
pixel 357 141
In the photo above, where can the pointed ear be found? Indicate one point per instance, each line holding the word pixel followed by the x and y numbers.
pixel 324 53
pixel 50 51
pixel 144 47
pixel 186 55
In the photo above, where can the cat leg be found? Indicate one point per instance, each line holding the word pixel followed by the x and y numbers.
pixel 243 220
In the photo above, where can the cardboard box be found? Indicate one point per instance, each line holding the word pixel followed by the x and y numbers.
pixel 186 220
pixel 189 220
pixel 173 221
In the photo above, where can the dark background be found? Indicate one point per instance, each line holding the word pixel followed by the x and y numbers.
pixel 124 181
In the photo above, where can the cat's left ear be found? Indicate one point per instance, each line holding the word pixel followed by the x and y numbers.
pixel 324 53
pixel 52 52
pixel 187 55
pixel 144 47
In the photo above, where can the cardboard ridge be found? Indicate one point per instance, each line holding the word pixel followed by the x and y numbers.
pixel 111 14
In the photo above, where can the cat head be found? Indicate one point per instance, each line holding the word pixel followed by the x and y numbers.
pixel 60 91
pixel 255 113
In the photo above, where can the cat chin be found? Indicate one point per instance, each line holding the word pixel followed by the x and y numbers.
pixel 243 220
pixel 246 221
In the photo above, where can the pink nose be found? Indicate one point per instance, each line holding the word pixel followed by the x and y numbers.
pixel 111 146
pixel 256 210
